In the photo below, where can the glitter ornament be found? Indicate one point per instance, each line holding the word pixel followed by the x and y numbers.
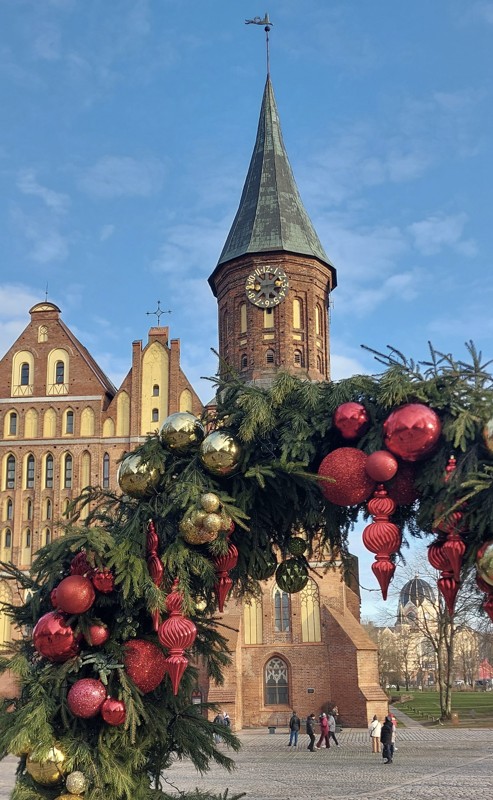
pixel 210 502
pixel 263 564
pixel 75 594
pixel 86 697
pixel 145 663
pixel 381 466
pixel 48 771
pixel 103 580
pixel 76 783
pixel 351 420
pixel 220 453
pixel 69 797
pixel 80 565
pixel 347 467
pixel 297 546
pixel 181 431
pixel 292 575
pixel 412 431
pixel 54 639
pixel 212 523
pixel 402 488
pixel 113 711
pixel 198 535
pixel 136 478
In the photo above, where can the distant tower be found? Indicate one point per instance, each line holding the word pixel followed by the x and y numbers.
pixel 273 278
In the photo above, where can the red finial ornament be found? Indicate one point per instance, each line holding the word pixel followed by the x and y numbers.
pixel 382 537
pixel 176 633
pixel 154 565
pixel 446 554
pixel 223 565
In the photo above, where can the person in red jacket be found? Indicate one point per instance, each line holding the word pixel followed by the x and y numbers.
pixel 324 731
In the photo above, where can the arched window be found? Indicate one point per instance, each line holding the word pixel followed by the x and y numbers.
pixel 281 611
pixel 49 472
pixel 155 390
pixel 186 400
pixel 31 424
pixel 9 512
pixel 27 537
pixel 269 357
pixel 7 542
pixel 30 472
pixel 29 508
pixel 69 421
pixel 106 471
pixel 276 682
pixel 87 422
pixel 59 372
pixel 310 612
pixel 49 424
pixel 47 536
pixel 244 361
pixel 155 414
pixel 48 509
pixel 13 423
pixel 298 358
pixel 67 471
pixel 252 621
pixel 10 472
pixel 25 374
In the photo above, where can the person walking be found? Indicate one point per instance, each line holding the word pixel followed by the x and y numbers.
pixel 294 729
pixel 386 739
pixel 332 728
pixel 324 731
pixel 375 728
pixel 310 723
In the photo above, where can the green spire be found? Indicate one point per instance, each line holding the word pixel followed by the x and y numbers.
pixel 271 215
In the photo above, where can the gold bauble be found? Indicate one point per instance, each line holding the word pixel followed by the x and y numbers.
pixel 137 479
pixel 200 604
pixel 69 797
pixel 210 502
pixel 220 453
pixel 197 517
pixel 180 431
pixel 226 523
pixel 186 526
pixel 212 523
pixel 48 771
pixel 76 782
pixel 199 536
pixel 484 562
pixel 488 435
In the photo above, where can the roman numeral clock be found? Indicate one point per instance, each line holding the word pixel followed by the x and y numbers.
pixel 266 287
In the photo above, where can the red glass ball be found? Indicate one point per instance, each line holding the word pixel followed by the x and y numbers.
pixel 86 697
pixel 412 431
pixel 381 466
pixel 97 635
pixel 53 638
pixel 402 488
pixel 347 466
pixel 103 581
pixel 351 420
pixel 75 594
pixel 145 663
pixel 113 711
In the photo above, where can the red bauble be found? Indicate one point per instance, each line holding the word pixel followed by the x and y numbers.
pixel 223 565
pixel 381 466
pixel 113 711
pixel 75 594
pixel 80 565
pixel 484 562
pixel 97 634
pixel 402 488
pixel 454 549
pixel 54 639
pixel 53 598
pixel 176 633
pixel 481 584
pixel 86 697
pixel 412 431
pixel 347 466
pixel 382 537
pixel 437 557
pixel 351 420
pixel 103 581
pixel 145 663
pixel 449 587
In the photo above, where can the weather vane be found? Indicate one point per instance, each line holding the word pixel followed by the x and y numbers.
pixel 268 24
pixel 158 312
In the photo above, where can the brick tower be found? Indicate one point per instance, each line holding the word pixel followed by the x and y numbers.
pixel 273 278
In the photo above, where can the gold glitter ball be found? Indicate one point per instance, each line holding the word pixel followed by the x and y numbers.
pixel 76 782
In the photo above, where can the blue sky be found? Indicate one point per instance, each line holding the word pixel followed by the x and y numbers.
pixel 127 129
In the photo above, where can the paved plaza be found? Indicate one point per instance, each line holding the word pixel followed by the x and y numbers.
pixel 430 763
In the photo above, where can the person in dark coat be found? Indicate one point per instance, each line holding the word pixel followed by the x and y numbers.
pixel 310 722
pixel 294 729
pixel 386 739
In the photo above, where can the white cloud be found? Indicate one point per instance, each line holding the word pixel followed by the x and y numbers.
pixel 46 42
pixel 15 301
pixel 342 366
pixel 123 176
pixel 46 242
pixel 27 184
pixel 439 231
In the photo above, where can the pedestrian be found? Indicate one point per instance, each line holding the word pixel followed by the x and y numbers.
pixel 375 728
pixel 310 722
pixel 218 720
pixel 226 719
pixel 324 731
pixel 386 739
pixel 394 731
pixel 332 728
pixel 294 729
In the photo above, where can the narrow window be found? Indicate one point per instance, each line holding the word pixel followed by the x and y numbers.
pixel 67 472
pixel 10 509
pixel 28 537
pixel 243 318
pixel 268 318
pixel 155 390
pixel 42 333
pixel 244 361
pixel 48 509
pixel 25 374
pixel 319 364
pixel 269 357
pixel 30 472
pixel 49 472
pixel 69 422
pixel 106 471
pixel 47 536
pixel 155 415
pixel 298 358
pixel 13 423
pixel 59 372
pixel 10 474
pixel 281 611
pixel 8 539
pixel 29 508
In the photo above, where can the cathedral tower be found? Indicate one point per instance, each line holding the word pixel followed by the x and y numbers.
pixel 273 278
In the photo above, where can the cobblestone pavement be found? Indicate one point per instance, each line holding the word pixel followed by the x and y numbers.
pixel 430 764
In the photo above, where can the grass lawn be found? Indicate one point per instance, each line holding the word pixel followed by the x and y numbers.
pixel 475 709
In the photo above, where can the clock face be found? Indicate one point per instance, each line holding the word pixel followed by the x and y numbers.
pixel 267 286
